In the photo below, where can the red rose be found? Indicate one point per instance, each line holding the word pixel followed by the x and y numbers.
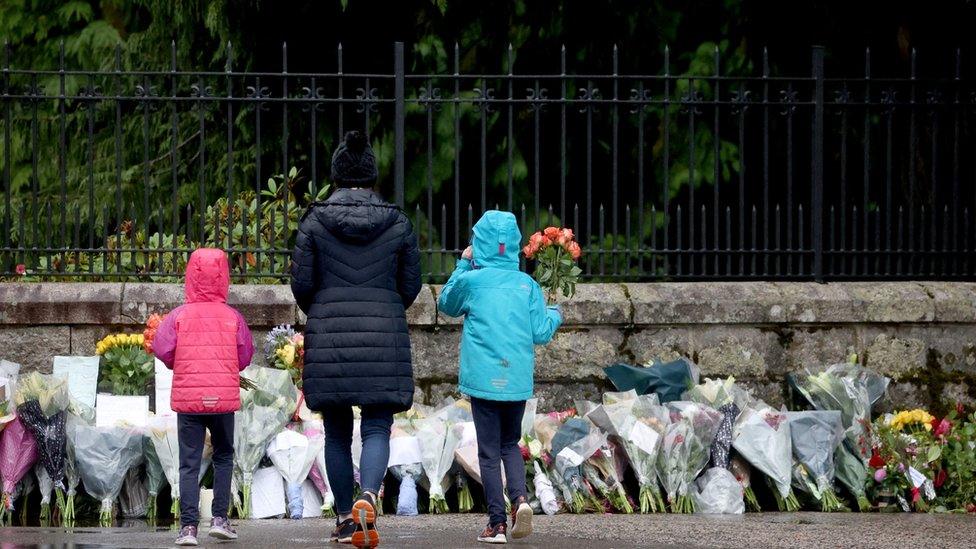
pixel 525 452
pixel 916 495
pixel 960 409
pixel 876 460
pixel 940 478
pixel 21 269
pixel 940 428
pixel 552 233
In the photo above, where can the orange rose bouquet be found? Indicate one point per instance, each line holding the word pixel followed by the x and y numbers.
pixel 555 252
pixel 149 333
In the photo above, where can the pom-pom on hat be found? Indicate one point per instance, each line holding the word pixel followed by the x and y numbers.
pixel 353 163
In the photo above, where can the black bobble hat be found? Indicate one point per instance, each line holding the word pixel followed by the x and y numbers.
pixel 353 163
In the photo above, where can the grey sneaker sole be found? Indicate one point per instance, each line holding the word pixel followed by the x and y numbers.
pixel 495 540
pixel 221 534
pixel 523 522
pixel 187 542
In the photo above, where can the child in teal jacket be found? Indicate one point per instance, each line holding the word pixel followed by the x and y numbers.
pixel 505 315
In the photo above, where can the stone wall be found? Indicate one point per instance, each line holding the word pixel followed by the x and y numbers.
pixel 922 334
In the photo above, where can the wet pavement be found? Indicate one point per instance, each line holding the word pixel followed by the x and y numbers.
pixel 793 530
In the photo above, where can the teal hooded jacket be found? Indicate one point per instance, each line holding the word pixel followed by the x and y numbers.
pixel 504 311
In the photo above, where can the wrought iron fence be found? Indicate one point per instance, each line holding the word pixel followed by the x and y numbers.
pixel 118 174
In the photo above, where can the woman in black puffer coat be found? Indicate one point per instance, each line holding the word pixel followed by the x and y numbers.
pixel 355 271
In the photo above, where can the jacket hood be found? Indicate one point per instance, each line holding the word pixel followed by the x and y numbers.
pixel 356 215
pixel 207 276
pixel 496 240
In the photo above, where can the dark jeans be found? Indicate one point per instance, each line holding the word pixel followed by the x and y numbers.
pixel 498 425
pixel 192 430
pixel 375 432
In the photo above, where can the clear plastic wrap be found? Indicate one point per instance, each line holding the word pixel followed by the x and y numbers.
pixel 763 438
pixel 293 454
pixel 575 441
pixel 164 435
pixel 438 441
pixel 816 435
pixel 685 450
pixel 315 431
pixel 42 403
pixel 264 412
pixel 104 456
pixel 155 477
pixel 718 493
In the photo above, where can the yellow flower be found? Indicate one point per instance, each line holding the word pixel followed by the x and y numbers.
pixel 287 354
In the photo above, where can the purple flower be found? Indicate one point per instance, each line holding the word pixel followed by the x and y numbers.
pixel 880 475
pixel 901 467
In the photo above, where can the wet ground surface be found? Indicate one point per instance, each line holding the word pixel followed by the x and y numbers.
pixel 793 530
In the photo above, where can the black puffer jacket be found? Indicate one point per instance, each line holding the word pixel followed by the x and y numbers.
pixel 356 269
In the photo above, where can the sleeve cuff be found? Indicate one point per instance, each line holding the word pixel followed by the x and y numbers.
pixel 463 264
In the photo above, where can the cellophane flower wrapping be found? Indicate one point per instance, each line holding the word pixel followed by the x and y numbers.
pixel 742 472
pixel 315 431
pixel 46 487
pixel 851 472
pixel 852 390
pixel 575 441
pixel 264 412
pixel 134 498
pixel 42 403
pixel 718 492
pixel 762 437
pixel 104 456
pixel 438 440
pixel 284 348
pixel 536 468
pixel 685 450
pixel 72 476
pixel 163 433
pixel 155 476
pixel 816 435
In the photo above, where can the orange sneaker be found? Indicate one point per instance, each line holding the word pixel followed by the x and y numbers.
pixel 364 513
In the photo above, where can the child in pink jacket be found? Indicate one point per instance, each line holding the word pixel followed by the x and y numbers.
pixel 206 343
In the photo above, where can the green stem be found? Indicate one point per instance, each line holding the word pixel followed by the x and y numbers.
pixel 751 502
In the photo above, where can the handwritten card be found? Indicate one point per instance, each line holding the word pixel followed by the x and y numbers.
pixel 112 410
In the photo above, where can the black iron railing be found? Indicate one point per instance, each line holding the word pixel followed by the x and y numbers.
pixel 118 174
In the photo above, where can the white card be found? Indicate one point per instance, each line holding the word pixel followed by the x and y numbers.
pixel 267 494
pixel 164 389
pixel 916 477
pixel 112 410
pixel 644 437
pixel 404 451
pixel 82 375
pixel 571 456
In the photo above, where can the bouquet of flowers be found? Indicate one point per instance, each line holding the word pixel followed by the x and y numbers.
pixel 71 469
pixel 851 472
pixel 284 348
pixel 763 438
pixel 816 436
pixel 556 252
pixel 438 440
pixel 718 492
pixel 42 403
pixel 536 461
pixel 601 472
pixel 293 454
pixel 740 469
pixel 155 477
pixel 105 455
pixel 729 399
pixel 851 389
pixel 905 451
pixel 149 333
pixel 575 441
pixel 636 424
pixel 164 437
pixel 315 432
pixel 264 412
pixel 18 452
pixel 685 450
pixel 126 367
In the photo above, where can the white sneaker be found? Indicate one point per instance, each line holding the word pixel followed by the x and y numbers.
pixel 493 534
pixel 522 521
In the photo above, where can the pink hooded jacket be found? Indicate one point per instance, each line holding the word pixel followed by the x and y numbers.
pixel 205 342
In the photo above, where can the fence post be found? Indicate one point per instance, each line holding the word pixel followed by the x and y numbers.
pixel 817 167
pixel 398 92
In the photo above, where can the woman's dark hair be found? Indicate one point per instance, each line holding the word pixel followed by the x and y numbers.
pixel 353 163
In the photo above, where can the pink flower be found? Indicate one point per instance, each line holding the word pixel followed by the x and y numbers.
pixel 565 237
pixel 880 475
pixel 21 269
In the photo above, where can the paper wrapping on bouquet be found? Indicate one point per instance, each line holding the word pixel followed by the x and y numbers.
pixel 114 410
pixel 763 438
pixel 104 456
pixel 164 389
pixel 267 494
pixel 667 379
pixel 205 507
pixel 723 438
pixel 293 455
pixel 466 453
pixel 545 491
pixel 404 450
pixel 311 500
pixel 717 492
pixel 81 372
pixel 816 435
pixel 164 435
